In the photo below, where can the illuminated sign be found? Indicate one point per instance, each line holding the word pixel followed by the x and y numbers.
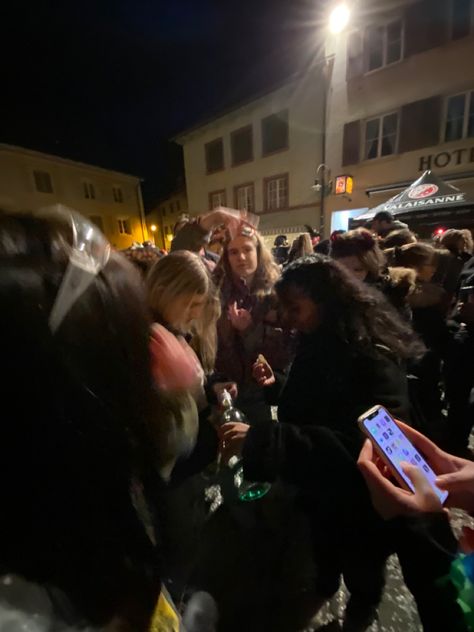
pixel 344 185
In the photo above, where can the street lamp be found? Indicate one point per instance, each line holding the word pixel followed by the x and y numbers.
pixel 338 21
pixel 339 18
pixel 321 184
pixel 153 230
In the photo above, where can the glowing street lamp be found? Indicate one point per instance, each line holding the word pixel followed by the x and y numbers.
pixel 153 228
pixel 339 18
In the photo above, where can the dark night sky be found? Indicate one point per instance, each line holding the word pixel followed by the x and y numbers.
pixel 108 82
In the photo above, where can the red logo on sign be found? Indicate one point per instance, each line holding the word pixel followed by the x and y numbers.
pixel 423 191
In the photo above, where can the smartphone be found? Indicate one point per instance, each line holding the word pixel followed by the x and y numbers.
pixel 394 448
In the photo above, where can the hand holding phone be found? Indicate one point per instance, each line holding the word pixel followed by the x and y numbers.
pixel 395 449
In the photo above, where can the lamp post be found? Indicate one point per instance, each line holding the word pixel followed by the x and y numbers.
pixel 338 20
pixel 153 231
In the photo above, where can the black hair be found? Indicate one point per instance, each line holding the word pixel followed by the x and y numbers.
pixel 383 216
pixel 356 313
pixel 73 437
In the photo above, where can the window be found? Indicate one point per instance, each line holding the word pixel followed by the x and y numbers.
pixel 461 12
pixel 118 196
pixel 217 198
pixel 178 206
pixel 459 122
pixel 245 197
pixel 276 193
pixel 384 45
pixel 214 155
pixel 381 136
pixel 241 145
pixel 163 211
pixel 43 182
pixel 124 227
pixel 89 190
pixel 275 133
pixel 97 220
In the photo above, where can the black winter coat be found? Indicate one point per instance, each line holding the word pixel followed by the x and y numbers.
pixel 316 444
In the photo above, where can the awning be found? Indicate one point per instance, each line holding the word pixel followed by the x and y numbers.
pixel 428 193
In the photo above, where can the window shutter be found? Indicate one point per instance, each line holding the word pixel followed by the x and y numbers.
pixel 426 26
pixel 420 124
pixel 355 56
pixel 351 143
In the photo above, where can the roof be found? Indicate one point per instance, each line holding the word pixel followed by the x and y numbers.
pixel 67 161
pixel 237 105
pixel 427 193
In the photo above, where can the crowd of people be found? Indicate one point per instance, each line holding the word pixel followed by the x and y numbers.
pixel 111 433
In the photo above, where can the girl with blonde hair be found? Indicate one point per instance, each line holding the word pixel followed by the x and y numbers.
pixel 248 326
pixel 185 308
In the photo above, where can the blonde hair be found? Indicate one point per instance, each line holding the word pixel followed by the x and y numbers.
pixel 180 273
pixel 301 246
pixel 267 272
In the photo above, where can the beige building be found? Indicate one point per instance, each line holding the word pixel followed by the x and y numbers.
pixel 400 101
pixel 30 180
pixel 162 219
pixel 261 156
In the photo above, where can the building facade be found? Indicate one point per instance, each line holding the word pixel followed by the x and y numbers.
pixel 261 156
pixel 30 180
pixel 162 219
pixel 401 101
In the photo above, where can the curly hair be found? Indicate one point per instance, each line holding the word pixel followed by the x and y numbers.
pixel 354 312
pixel 361 244
pixel 267 271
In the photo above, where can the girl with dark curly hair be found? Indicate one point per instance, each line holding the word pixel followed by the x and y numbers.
pixel 351 356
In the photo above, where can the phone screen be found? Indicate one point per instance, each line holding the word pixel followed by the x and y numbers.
pixel 397 448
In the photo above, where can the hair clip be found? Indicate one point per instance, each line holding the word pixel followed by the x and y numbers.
pixel 247 231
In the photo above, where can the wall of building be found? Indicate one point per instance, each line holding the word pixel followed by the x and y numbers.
pixel 165 216
pixel 303 99
pixel 440 71
pixel 19 192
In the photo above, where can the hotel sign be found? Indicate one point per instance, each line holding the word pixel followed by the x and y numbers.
pixel 445 159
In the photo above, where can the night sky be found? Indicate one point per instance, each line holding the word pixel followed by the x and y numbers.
pixel 109 82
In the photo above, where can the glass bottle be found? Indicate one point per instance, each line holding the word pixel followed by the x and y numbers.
pixel 246 490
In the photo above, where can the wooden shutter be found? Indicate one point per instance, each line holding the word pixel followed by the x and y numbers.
pixel 426 25
pixel 355 56
pixel 420 124
pixel 351 143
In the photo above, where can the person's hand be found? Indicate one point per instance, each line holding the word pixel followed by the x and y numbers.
pixel 241 319
pixel 262 373
pixel 221 217
pixel 459 484
pixel 232 437
pixel 455 475
pixel 388 499
pixel 230 387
